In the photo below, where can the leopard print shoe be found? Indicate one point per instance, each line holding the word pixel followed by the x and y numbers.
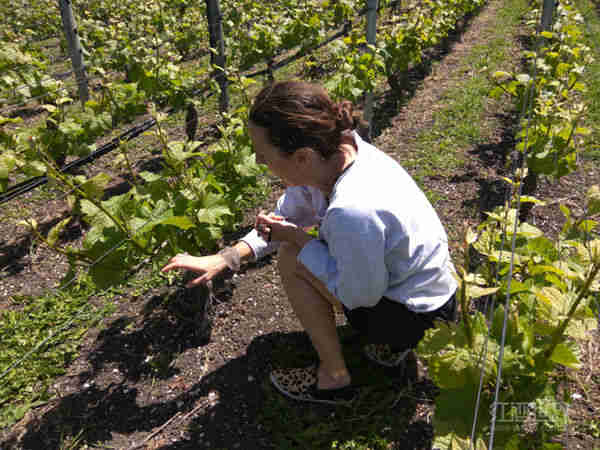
pixel 301 384
pixel 382 354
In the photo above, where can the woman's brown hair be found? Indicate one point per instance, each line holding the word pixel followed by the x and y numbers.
pixel 297 114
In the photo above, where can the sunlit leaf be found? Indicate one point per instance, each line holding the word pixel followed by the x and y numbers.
pixel 213 214
pixel 94 187
pixel 474 291
pixel 593 200
pixel 56 230
pixel 531 199
pixel 565 356
pixel 501 76
pixel 181 222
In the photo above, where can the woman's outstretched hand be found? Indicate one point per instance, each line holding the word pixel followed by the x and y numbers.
pixel 207 266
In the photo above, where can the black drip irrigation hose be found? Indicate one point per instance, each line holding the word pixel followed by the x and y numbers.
pixel 35 182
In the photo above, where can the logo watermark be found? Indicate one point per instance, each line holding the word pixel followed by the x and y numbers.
pixel 543 414
pixel 546 411
pixel 518 412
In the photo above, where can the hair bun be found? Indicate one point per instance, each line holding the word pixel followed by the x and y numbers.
pixel 344 117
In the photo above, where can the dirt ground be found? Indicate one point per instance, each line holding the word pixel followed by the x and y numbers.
pixel 206 386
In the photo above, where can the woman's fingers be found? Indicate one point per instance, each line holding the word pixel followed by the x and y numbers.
pixel 174 263
pixel 272 226
pixel 184 261
pixel 269 219
pixel 260 218
pixel 200 280
pixel 206 267
pixel 169 266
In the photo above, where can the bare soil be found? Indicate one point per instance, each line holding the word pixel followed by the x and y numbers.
pixel 151 377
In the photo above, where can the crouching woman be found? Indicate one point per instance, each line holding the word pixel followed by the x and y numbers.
pixel 381 249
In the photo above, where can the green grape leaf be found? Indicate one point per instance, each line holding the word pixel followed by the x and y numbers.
pixel 470 236
pixel 213 214
pixel 56 230
pixel 580 328
pixel 247 167
pixel 7 162
pixel 181 222
pixel 529 231
pixel 94 187
pixel 451 416
pixel 438 338
pixel 110 270
pixel 452 441
pixel 34 168
pixel 454 368
pixel 474 291
pixel 501 76
pixel 531 199
pixel 565 356
pixel 593 200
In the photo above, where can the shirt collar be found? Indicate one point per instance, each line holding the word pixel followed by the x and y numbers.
pixel 359 142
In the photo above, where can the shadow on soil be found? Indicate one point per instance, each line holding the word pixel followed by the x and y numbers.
pixel 232 407
pixel 492 192
pixel 13 256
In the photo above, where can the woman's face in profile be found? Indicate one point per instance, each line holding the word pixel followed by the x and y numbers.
pixel 266 153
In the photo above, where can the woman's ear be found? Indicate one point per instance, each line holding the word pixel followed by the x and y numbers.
pixel 306 156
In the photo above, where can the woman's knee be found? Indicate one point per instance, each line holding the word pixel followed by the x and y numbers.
pixel 287 258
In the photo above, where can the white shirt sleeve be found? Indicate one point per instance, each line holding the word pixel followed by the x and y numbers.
pixel 299 206
pixel 350 258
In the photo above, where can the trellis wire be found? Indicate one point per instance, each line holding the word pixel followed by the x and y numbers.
pixel 65 87
pixel 64 287
pixel 511 265
pixel 70 321
pixel 300 54
pixel 33 183
pixel 490 302
pixel 506 306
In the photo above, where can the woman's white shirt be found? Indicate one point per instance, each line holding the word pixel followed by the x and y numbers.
pixel 378 236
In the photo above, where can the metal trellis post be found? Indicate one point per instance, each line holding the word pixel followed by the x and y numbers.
pixel 371 40
pixel 547 14
pixel 215 30
pixel 75 50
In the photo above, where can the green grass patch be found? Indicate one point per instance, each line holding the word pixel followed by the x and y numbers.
pixel 591 28
pixel 461 122
pixel 43 334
